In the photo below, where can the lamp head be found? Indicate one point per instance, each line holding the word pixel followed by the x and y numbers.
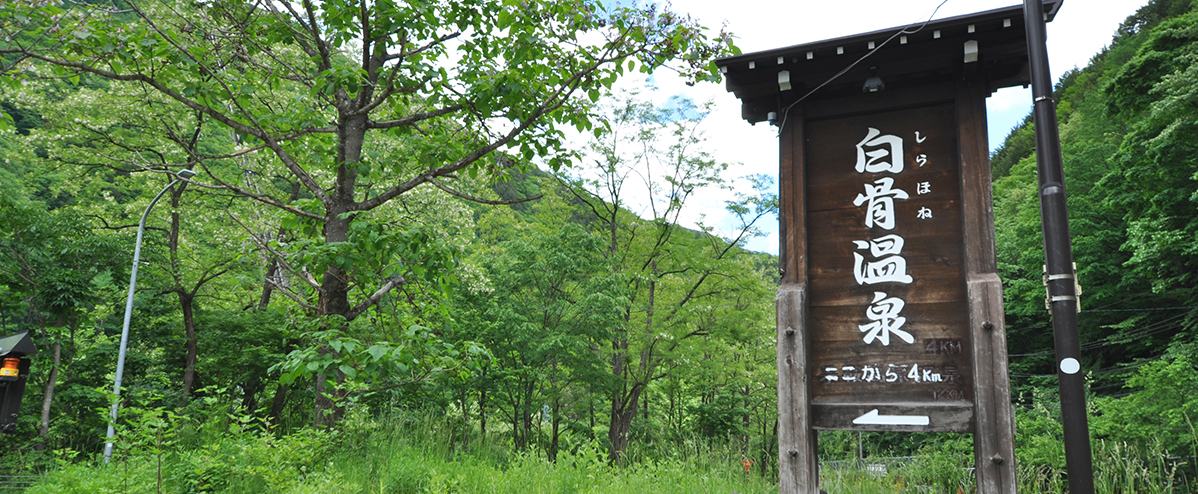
pixel 874 83
pixel 186 174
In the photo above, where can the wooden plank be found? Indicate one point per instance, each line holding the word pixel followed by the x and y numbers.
pixel 798 454
pixel 936 369
pixel 792 226
pixel 901 66
pixel 881 101
pixel 948 417
pixel 994 434
pixel 830 194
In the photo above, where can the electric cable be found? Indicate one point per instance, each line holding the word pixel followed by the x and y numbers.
pixel 1148 330
pixel 786 111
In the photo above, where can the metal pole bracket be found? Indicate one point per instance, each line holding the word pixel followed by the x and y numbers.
pixel 1077 288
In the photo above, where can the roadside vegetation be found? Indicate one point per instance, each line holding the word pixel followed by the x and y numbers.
pixel 409 280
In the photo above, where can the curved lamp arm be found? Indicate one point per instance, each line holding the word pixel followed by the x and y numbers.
pixel 120 359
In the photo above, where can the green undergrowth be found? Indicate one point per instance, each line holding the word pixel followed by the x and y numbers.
pixel 376 456
pixel 166 453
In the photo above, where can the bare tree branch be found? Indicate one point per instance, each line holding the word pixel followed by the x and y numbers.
pixel 416 117
pixel 480 200
pixel 282 260
pixel 375 297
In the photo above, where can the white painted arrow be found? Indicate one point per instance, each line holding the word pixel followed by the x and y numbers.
pixel 873 418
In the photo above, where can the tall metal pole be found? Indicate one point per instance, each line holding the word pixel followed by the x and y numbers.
pixel 1058 256
pixel 120 359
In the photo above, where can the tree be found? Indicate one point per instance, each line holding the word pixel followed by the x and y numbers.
pixel 682 285
pixel 1153 178
pixel 362 102
pixel 56 265
pixel 1129 173
pixel 554 300
pixel 114 155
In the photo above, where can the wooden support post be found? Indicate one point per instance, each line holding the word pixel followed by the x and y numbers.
pixel 798 457
pixel 994 419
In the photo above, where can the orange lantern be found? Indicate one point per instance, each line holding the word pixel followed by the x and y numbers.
pixel 11 367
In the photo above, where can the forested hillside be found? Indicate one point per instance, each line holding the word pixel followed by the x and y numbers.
pixel 371 273
pixel 1128 125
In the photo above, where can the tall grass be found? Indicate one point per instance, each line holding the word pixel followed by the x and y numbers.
pixel 391 455
pixel 401 454
pixel 386 455
pixel 1119 467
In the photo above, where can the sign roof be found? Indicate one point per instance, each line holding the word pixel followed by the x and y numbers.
pixel 990 43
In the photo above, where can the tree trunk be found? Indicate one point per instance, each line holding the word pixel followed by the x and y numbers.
pixel 624 402
pixel 186 302
pixel 556 421
pixel 267 288
pixel 334 301
pixel 645 406
pixel 185 298
pixel 277 404
pixel 330 407
pixel 339 211
pixel 48 398
pixel 528 411
pixel 516 426
pixel 465 416
pixel 622 413
pixel 249 397
pixel 746 419
pixel 334 288
pixel 482 406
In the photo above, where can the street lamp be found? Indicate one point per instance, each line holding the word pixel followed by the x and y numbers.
pixel 120 359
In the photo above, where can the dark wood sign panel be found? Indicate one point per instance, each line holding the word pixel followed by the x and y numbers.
pixel 888 323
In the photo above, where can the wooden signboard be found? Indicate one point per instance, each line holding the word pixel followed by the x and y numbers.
pixel 890 312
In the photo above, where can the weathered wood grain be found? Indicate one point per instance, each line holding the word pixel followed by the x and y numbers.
pixel 954 370
pixel 846 368
pixel 994 437
pixel 798 454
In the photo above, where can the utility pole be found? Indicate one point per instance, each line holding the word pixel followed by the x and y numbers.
pixel 1058 256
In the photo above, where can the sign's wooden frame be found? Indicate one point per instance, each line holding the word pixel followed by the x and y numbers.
pixel 991 416
pixel 957 62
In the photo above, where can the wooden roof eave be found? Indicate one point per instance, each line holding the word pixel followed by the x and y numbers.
pixel 765 80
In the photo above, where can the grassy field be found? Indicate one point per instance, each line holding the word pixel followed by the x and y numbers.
pixel 369 456
pixel 374 456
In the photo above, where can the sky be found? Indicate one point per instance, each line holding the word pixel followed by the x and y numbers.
pixel 1080 30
